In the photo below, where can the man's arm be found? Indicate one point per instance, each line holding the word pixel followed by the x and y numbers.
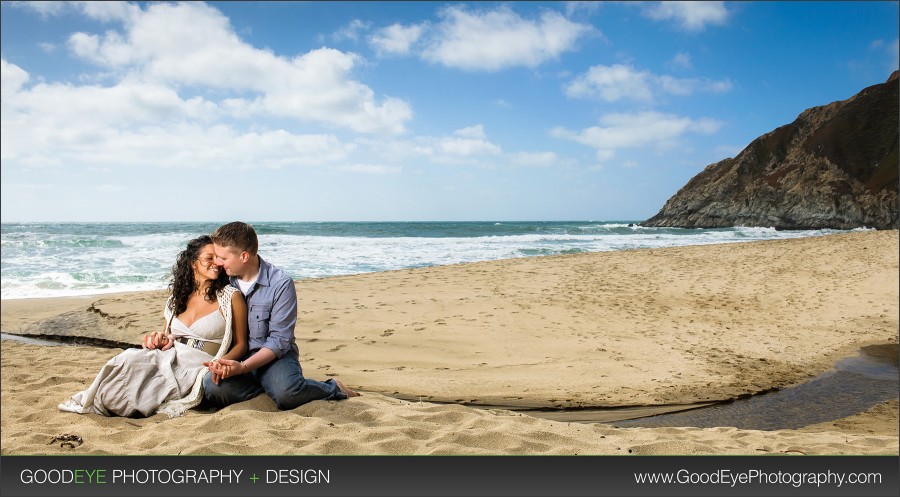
pixel 283 318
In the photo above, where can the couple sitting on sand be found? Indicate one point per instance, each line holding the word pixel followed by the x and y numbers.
pixel 228 337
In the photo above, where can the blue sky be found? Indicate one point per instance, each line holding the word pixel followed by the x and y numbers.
pixel 396 111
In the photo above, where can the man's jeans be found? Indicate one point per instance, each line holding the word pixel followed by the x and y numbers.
pixel 282 379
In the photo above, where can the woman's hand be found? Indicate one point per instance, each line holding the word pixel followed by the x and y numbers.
pixel 224 368
pixel 158 340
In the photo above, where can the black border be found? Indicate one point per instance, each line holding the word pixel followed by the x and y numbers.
pixel 448 475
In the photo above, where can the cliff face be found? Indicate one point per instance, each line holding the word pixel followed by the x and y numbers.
pixel 835 166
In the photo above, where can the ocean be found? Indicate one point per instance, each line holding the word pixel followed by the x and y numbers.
pixel 70 259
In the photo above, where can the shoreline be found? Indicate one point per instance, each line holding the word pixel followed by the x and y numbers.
pixel 652 327
pixel 102 292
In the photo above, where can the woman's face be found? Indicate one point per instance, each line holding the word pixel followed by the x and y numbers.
pixel 204 266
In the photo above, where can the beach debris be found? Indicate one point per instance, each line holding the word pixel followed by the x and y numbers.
pixel 67 440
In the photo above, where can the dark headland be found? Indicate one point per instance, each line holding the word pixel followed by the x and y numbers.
pixel 835 166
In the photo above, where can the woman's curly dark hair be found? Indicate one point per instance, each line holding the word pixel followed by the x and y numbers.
pixel 183 284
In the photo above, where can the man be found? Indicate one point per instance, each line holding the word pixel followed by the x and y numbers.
pixel 272 362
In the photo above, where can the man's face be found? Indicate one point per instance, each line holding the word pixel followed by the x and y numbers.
pixel 231 260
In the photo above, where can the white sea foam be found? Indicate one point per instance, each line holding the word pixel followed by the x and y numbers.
pixel 87 259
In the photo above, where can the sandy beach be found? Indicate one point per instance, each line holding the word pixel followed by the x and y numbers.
pixel 650 327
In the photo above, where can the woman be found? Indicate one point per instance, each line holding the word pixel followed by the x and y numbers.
pixel 206 320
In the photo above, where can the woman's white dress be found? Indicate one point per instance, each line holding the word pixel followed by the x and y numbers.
pixel 139 381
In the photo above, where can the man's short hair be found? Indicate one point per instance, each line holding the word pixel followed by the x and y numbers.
pixel 237 235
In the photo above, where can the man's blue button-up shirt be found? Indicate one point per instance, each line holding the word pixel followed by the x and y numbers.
pixel 272 310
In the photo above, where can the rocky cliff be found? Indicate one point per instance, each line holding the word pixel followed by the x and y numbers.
pixel 835 166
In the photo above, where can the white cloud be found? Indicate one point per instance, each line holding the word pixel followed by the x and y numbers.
pixel 396 150
pixel 12 78
pixel 109 11
pixel 371 169
pixel 476 132
pixel 535 159
pixel 689 15
pixel 31 139
pixel 134 124
pixel 194 44
pixel 44 9
pixel 30 188
pixel 110 188
pixel 604 154
pixel 467 142
pixel 624 82
pixel 498 39
pixel 123 106
pixel 632 130
pixel 351 31
pixel 317 86
pixel 681 60
pixel 587 7
pixel 611 83
pixel 100 11
pixel 396 39
pixel 683 86
pixel 111 51
pixel 469 145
